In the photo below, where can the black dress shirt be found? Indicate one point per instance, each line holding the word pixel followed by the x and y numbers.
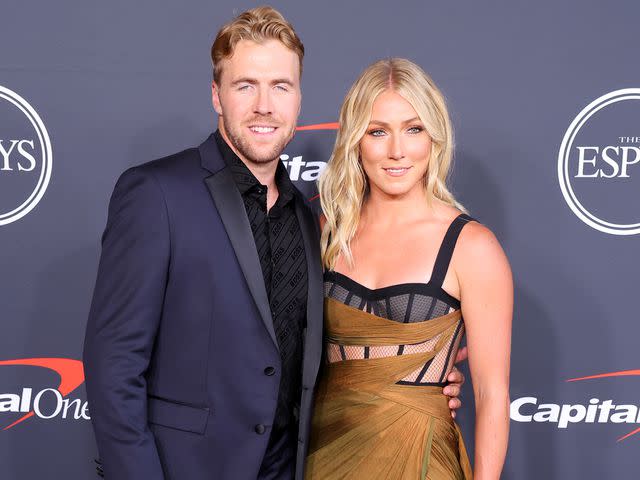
pixel 281 251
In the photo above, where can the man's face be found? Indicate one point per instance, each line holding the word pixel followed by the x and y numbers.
pixel 257 98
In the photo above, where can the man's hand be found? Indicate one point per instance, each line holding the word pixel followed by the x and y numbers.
pixel 455 379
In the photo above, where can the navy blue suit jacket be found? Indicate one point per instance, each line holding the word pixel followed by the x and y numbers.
pixel 180 331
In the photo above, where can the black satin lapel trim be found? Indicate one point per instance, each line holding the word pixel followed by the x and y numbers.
pixel 313 335
pixel 234 217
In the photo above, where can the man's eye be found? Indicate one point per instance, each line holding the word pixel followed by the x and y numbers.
pixel 243 87
pixel 282 88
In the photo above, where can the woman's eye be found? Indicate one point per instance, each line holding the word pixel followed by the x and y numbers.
pixel 376 133
pixel 415 129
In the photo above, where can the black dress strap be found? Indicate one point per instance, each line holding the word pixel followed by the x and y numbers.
pixel 446 249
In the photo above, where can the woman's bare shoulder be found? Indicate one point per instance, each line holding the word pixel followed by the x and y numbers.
pixel 478 251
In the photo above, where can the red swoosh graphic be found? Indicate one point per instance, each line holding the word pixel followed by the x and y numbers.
pixel 318 126
pixel 71 375
pixel 624 437
pixel 622 373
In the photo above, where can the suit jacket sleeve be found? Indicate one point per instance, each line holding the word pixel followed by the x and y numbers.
pixel 123 321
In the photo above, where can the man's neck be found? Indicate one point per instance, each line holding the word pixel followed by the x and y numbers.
pixel 265 172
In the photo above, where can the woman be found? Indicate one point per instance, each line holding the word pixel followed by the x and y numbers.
pixel 404 266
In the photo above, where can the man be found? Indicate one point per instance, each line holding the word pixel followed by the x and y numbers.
pixel 204 337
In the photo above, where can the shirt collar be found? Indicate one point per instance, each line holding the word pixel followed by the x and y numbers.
pixel 246 181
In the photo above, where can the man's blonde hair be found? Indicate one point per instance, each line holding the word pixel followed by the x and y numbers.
pixel 258 25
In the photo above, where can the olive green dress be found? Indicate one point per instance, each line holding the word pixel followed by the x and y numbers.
pixel 380 412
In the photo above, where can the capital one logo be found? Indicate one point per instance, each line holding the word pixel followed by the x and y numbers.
pixel 25 157
pixel 47 403
pixel 300 168
pixel 531 409
pixel 599 163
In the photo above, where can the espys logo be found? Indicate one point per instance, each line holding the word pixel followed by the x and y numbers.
pixel 49 402
pixel 599 163
pixel 25 157
pixel 527 409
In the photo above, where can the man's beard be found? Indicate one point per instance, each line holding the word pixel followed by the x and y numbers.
pixel 253 155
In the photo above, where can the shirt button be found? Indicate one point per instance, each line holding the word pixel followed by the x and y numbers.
pixel 269 371
pixel 260 429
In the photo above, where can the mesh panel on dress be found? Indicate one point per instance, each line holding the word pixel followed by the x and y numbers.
pixel 333 353
pixel 454 350
pixel 377 351
pixel 338 292
pixel 422 347
pixel 398 305
pixel 421 308
pixel 417 348
pixel 440 308
pixel 437 367
pixel 353 351
pixel 404 307
pixel 380 308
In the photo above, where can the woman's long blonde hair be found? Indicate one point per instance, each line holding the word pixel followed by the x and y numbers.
pixel 343 184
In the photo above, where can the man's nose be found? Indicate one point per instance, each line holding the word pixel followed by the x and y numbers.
pixel 263 104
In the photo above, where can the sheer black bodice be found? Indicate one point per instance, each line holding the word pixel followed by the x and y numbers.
pixel 404 303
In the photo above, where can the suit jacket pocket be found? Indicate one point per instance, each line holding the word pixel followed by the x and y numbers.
pixel 176 415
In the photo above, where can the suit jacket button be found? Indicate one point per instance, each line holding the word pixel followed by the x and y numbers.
pixel 260 429
pixel 269 371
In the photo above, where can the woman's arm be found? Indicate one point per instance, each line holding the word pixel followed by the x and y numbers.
pixel 486 295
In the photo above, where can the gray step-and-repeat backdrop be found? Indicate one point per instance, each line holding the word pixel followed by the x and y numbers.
pixel 545 97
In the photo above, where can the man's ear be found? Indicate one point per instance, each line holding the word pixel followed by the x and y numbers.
pixel 215 98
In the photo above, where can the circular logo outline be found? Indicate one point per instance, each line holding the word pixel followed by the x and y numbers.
pixel 47 157
pixel 563 163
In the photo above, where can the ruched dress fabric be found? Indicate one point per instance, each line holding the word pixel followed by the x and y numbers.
pixel 373 419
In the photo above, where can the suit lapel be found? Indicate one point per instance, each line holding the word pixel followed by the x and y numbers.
pixel 231 209
pixel 313 334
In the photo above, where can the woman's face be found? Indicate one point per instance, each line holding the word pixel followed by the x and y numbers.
pixel 395 148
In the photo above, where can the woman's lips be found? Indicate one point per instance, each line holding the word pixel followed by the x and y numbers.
pixel 396 171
